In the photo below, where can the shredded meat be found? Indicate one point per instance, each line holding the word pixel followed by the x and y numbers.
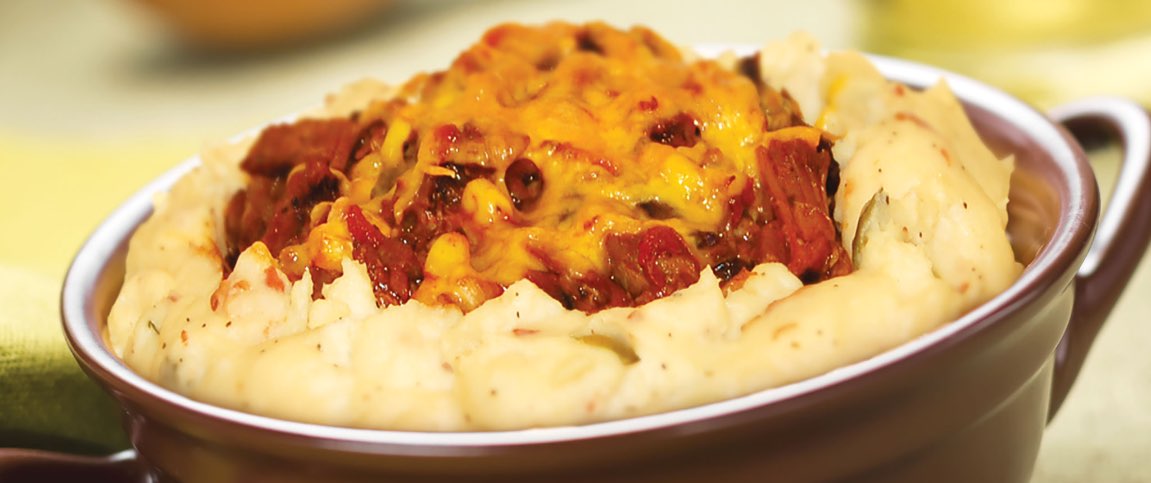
pixel 651 264
pixel 784 216
pixel 291 172
pixel 392 266
pixel 284 146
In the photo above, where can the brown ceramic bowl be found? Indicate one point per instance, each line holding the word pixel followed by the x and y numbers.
pixel 966 402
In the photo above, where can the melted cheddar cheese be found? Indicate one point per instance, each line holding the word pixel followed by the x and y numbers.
pixel 535 147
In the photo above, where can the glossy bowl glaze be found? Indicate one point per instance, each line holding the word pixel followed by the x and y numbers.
pixel 966 402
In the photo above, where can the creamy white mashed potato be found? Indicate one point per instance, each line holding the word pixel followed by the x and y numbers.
pixel 921 205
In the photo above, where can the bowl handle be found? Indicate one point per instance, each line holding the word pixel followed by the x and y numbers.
pixel 29 465
pixel 1123 232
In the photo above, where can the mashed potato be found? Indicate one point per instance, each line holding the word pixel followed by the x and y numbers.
pixel 921 206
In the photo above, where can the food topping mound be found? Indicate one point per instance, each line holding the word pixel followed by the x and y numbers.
pixel 602 165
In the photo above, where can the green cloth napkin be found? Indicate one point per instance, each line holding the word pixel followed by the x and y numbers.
pixel 46 401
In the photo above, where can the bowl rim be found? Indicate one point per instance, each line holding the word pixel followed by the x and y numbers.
pixel 1069 239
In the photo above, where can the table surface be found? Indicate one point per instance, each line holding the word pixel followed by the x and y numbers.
pixel 98 100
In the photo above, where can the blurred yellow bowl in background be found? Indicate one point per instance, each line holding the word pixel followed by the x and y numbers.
pixel 227 25
pixel 1045 51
